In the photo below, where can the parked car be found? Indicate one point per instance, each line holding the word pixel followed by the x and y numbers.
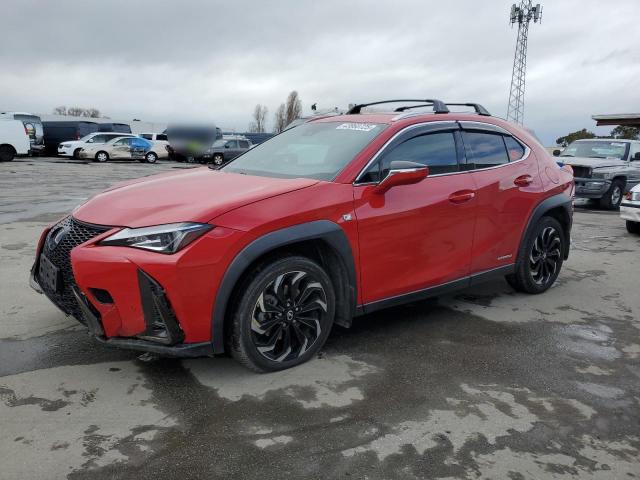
pixel 188 143
pixel 33 127
pixel 630 209
pixel 14 140
pixel 226 149
pixel 121 148
pixel 337 217
pixel 604 169
pixel 72 148
pixel 56 132
pixel 159 143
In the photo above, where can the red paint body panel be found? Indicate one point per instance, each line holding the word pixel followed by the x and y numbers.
pixel 411 237
pixel 197 195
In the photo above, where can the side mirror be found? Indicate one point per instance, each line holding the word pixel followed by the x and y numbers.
pixel 556 153
pixel 90 140
pixel 402 173
pixel 636 156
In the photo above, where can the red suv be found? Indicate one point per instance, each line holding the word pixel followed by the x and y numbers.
pixel 337 217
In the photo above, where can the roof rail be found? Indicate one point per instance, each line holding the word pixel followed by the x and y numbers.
pixel 480 110
pixel 438 105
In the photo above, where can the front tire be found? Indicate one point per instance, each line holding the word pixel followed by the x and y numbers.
pixel 540 258
pixel 218 159
pixel 612 199
pixel 151 157
pixel 76 153
pixel 284 315
pixel 633 227
pixel 102 157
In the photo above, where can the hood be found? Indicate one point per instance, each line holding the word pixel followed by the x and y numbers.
pixel 192 195
pixel 592 162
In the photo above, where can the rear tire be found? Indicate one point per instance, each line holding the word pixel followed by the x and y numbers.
pixel 612 199
pixel 285 311
pixel 151 157
pixel 633 227
pixel 7 153
pixel 102 157
pixel 540 257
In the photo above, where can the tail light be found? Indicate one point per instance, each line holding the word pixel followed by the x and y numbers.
pixel 628 195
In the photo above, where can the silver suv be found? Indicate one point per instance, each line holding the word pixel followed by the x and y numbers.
pixel 604 168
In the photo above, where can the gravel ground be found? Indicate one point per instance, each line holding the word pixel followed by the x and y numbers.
pixel 486 383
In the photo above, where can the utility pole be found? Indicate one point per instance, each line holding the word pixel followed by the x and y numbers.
pixel 522 14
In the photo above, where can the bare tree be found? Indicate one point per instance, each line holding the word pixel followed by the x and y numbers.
pixel 91 112
pixel 259 119
pixel 280 119
pixel 75 111
pixel 294 107
pixel 61 110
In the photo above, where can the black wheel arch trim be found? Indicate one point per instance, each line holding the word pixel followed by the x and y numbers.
pixel 325 230
pixel 559 200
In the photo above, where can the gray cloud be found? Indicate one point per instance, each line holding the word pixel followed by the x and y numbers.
pixel 215 60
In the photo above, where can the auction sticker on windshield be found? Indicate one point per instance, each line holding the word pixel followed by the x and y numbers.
pixel 361 127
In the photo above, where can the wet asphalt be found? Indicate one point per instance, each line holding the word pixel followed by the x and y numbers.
pixel 484 383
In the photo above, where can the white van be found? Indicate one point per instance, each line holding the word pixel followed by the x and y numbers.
pixel 159 141
pixel 14 140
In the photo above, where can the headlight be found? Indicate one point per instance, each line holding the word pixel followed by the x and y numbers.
pixel 167 238
pixel 603 175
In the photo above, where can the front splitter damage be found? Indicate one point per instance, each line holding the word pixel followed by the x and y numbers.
pixel 161 324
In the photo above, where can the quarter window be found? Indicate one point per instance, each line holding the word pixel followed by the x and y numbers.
pixel 244 144
pixel 161 137
pixel 515 150
pixel 484 150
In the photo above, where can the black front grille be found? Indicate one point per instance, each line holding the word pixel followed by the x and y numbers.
pixel 581 172
pixel 73 233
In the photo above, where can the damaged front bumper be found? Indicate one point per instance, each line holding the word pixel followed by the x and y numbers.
pixel 162 336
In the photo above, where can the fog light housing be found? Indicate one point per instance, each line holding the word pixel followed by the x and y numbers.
pixel 160 320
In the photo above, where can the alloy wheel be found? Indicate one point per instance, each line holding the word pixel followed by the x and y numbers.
pixel 616 195
pixel 288 316
pixel 545 256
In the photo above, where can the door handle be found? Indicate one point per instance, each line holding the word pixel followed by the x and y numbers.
pixel 523 180
pixel 462 196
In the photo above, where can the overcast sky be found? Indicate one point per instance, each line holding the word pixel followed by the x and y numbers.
pixel 207 60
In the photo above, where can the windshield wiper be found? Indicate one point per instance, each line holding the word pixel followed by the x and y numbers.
pixel 595 156
pixel 567 155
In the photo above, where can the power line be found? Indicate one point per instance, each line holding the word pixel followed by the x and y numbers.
pixel 521 14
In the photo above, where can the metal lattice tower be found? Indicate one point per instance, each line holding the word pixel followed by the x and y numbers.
pixel 521 14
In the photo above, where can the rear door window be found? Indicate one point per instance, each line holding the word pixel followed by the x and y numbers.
pixel 244 144
pixel 485 150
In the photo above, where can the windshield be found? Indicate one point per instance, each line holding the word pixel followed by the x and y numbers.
pixel 311 150
pixel 596 149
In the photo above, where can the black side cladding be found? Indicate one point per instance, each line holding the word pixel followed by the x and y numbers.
pixel 324 230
